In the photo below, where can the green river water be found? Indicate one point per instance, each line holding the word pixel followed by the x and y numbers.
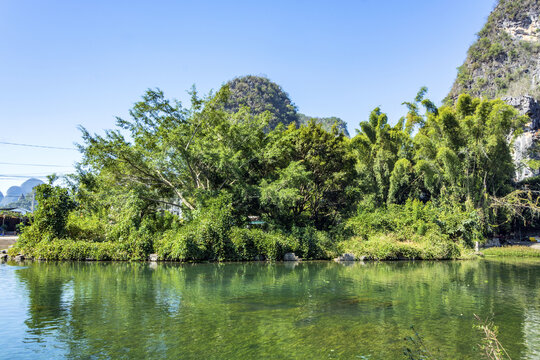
pixel 310 310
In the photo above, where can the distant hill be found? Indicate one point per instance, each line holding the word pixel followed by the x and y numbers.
pixel 30 184
pixel 261 94
pixel 20 196
pixel 12 195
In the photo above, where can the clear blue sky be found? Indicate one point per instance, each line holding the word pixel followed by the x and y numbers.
pixel 65 63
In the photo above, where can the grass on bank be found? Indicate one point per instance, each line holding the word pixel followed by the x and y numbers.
pixel 389 247
pixel 512 251
pixel 414 230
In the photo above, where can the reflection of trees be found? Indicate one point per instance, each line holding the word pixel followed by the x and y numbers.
pixel 45 288
pixel 267 310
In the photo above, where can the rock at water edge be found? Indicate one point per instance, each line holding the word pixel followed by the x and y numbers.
pixel 346 257
pixel 290 257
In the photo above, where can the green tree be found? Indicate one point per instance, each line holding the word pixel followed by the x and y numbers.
pixel 466 149
pixel 377 147
pixel 176 155
pixel 50 217
pixel 326 122
pixel 309 185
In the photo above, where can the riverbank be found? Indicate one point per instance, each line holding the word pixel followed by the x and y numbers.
pixel 7 241
pixel 243 245
pixel 84 251
pixel 405 252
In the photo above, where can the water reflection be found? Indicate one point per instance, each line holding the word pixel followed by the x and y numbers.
pixel 260 310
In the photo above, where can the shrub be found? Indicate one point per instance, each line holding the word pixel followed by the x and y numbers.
pixel 188 243
pixel 413 230
pixel 464 76
pixel 140 243
pixel 86 228
pixel 495 50
pixel 313 244
pixel 389 247
pixel 415 219
pixel 251 243
pixel 50 218
pixel 67 249
pixel 206 237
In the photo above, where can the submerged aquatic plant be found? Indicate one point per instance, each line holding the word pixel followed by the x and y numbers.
pixel 490 345
pixel 416 349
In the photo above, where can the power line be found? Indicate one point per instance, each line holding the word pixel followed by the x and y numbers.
pixel 20 176
pixel 37 146
pixel 43 165
pixel 25 176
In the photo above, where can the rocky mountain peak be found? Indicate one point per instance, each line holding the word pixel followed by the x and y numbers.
pixel 504 62
pixel 505 59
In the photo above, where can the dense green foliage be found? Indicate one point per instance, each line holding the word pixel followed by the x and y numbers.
pixel 50 217
pixel 214 183
pixel 413 230
pixel 309 179
pixel 326 122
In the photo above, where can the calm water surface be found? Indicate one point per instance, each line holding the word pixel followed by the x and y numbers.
pixel 320 310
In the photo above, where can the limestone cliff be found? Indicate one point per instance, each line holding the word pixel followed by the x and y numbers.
pixel 504 62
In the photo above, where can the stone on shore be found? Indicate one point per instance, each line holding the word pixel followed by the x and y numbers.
pixel 345 257
pixel 153 257
pixel 290 257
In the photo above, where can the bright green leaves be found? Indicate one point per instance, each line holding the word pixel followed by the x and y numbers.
pixel 400 181
pixel 429 174
pixel 305 177
pixel 177 154
pixel 312 170
pixel 173 156
pixel 469 146
pixel 465 106
pixel 460 154
pixel 377 148
pixel 287 198
pixel 450 164
pixel 51 215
